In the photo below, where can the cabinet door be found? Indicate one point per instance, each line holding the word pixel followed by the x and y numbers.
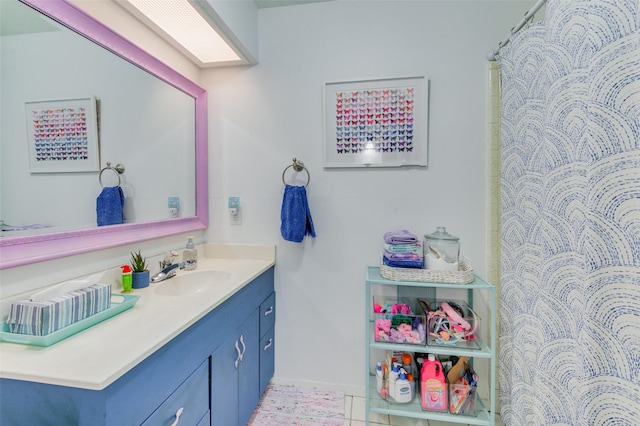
pixel 235 376
pixel 224 383
pixel 249 370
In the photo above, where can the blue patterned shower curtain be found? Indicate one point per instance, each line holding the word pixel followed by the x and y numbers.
pixel 570 194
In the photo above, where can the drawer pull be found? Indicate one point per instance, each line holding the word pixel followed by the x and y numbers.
pixel 244 347
pixel 178 414
pixel 239 358
pixel 268 311
pixel 268 345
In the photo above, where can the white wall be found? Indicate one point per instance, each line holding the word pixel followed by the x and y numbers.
pixel 261 117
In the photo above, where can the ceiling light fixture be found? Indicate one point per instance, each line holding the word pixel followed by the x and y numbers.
pixel 186 27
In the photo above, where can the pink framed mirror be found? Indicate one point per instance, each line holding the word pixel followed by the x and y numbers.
pixel 26 249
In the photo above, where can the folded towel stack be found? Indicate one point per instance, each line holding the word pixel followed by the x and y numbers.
pixel 402 249
pixel 40 318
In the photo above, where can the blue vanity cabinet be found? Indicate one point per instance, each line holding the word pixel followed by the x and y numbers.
pixel 176 375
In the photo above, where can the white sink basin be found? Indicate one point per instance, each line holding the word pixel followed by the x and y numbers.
pixel 191 282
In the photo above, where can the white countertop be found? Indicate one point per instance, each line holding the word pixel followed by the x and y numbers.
pixel 98 356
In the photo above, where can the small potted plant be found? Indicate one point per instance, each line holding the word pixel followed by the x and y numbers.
pixel 140 272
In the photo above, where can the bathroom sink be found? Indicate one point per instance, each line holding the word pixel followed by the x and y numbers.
pixel 191 282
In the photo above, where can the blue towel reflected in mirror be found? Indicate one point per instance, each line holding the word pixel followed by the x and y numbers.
pixel 110 206
pixel 295 215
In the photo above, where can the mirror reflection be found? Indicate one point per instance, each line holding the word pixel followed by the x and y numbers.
pixel 142 122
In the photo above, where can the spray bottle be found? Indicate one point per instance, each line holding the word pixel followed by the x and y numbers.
pixel 433 385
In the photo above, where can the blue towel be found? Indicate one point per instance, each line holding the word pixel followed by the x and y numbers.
pixel 295 214
pixel 110 206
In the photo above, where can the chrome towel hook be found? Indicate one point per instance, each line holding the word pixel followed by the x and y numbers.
pixel 118 169
pixel 298 166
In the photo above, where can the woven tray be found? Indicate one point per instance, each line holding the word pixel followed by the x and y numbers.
pixel 464 275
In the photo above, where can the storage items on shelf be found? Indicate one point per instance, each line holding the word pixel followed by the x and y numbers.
pixel 433 385
pixel 441 250
pixel 462 392
pixel 447 385
pixel 418 322
pixel 452 323
pixel 436 259
pixel 398 322
pixel 396 379
pixel 402 249
pixel 457 356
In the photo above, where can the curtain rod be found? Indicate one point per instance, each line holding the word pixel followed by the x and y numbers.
pixel 527 16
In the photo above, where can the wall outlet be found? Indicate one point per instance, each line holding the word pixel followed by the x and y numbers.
pixel 174 206
pixel 235 217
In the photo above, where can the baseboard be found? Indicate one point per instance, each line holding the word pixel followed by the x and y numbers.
pixel 307 384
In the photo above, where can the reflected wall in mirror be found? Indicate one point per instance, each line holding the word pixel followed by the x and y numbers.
pixel 151 119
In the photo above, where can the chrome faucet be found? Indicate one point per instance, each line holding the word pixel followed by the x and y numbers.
pixel 169 258
pixel 168 269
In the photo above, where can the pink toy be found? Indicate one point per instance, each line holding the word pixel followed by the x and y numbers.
pixel 377 308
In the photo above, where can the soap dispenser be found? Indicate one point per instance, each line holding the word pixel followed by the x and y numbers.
pixel 190 256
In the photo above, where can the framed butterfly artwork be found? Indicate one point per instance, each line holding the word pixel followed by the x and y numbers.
pixel 63 136
pixel 376 123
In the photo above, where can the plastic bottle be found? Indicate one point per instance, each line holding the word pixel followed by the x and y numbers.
pixel 407 363
pixel 190 256
pixel 127 278
pixel 379 378
pixel 393 376
pixel 412 384
pixel 433 385
pixel 403 388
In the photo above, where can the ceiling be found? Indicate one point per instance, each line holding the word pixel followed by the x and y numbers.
pixel 262 4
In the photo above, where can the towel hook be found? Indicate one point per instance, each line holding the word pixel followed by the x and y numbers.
pixel 118 169
pixel 298 166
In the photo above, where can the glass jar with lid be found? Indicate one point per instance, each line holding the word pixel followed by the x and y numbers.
pixel 441 250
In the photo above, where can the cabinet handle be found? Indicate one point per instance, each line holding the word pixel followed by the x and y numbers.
pixel 268 311
pixel 268 345
pixel 178 414
pixel 244 347
pixel 239 358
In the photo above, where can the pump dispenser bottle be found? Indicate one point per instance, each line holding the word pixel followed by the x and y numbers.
pixel 190 256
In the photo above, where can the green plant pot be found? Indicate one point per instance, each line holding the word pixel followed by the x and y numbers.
pixel 140 279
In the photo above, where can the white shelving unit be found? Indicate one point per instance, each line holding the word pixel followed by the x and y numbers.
pixel 375 404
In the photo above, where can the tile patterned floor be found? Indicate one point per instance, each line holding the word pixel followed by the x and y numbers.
pixel 354 415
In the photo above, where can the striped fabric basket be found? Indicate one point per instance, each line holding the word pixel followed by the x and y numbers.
pixel 464 275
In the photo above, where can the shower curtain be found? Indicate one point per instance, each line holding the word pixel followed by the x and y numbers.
pixel 570 195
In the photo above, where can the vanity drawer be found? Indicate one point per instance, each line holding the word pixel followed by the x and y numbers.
pixel 191 400
pixel 267 358
pixel 267 314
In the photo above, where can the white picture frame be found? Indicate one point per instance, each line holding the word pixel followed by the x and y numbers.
pixel 376 123
pixel 63 136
